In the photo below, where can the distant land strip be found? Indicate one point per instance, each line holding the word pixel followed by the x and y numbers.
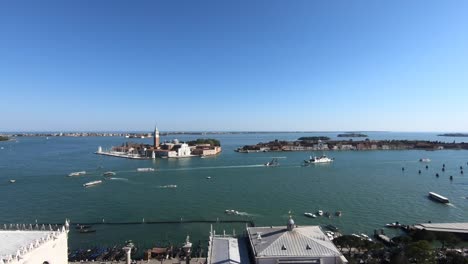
pixel 304 144
pixel 453 135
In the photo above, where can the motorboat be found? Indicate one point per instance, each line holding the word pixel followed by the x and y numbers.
pixel 77 173
pixel 424 160
pixel 231 212
pixel 338 213
pixel 87 231
pixel 332 228
pixel 320 212
pixel 272 163
pixel 209 177
pixel 365 237
pixel 145 169
pixel 92 183
pixel 393 225
pixel 320 159
pixel 168 186
pixel 311 215
pixel 12 181
pixel 327 214
pixel 109 173
pixel 437 197
pixel 78 226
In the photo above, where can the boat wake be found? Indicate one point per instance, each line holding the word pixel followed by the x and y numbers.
pixel 278 157
pixel 119 179
pixel 215 167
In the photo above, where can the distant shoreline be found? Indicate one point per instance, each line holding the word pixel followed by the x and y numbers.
pixel 453 135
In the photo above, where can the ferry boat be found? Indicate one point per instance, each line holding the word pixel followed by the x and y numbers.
pixel 109 173
pixel 321 159
pixel 438 197
pixel 78 173
pixel 424 160
pixel 272 163
pixel 145 169
pixel 88 184
pixel 310 215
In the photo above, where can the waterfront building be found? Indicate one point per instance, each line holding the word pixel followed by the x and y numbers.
pixel 21 244
pixel 292 244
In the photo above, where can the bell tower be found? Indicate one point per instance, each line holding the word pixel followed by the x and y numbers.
pixel 156 138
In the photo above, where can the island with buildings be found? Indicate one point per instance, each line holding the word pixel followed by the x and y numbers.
pixel 304 144
pixel 4 138
pixel 172 149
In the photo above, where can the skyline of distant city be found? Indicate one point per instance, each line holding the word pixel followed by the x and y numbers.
pixel 234 66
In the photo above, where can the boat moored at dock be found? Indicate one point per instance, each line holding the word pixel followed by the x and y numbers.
pixel 92 183
pixel 437 197
pixel 310 215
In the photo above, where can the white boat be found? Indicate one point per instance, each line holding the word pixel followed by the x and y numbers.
pixel 310 215
pixel 365 237
pixel 272 163
pixel 168 186
pixel 393 225
pixel 320 212
pixel 438 197
pixel 209 177
pixel 88 184
pixel 231 212
pixel 145 169
pixel 424 160
pixel 109 173
pixel 78 173
pixel 12 181
pixel 321 159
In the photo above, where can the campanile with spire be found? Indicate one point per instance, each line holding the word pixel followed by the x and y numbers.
pixel 156 138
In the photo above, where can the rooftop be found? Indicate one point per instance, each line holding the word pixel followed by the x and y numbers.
pixel 300 241
pixel 444 227
pixel 13 240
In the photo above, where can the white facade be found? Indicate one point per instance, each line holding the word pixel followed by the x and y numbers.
pixel 34 246
pixel 184 150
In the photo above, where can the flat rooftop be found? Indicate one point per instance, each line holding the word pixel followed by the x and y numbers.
pixel 13 240
pixel 444 227
pixel 228 250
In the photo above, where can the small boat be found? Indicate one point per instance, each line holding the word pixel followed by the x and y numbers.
pixel 393 225
pixel 78 173
pixel 86 231
pixel 145 169
pixel 109 173
pixel 231 212
pixel 338 213
pixel 354 235
pixel 92 183
pixel 310 215
pixel 330 235
pixel 208 177
pixel 202 156
pixel 365 237
pixel 327 214
pixel 321 159
pixel 437 197
pixel 12 181
pixel 424 160
pixel 320 212
pixel 168 186
pixel 272 163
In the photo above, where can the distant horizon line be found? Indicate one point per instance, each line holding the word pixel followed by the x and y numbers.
pixel 220 131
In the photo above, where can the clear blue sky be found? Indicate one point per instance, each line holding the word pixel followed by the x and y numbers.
pixel 234 65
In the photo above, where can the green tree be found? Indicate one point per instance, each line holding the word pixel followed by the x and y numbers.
pixel 448 239
pixel 420 252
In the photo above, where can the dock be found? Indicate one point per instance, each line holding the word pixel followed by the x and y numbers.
pixel 120 155
pixel 457 228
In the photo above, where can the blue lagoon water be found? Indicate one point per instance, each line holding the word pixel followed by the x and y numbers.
pixel 369 187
